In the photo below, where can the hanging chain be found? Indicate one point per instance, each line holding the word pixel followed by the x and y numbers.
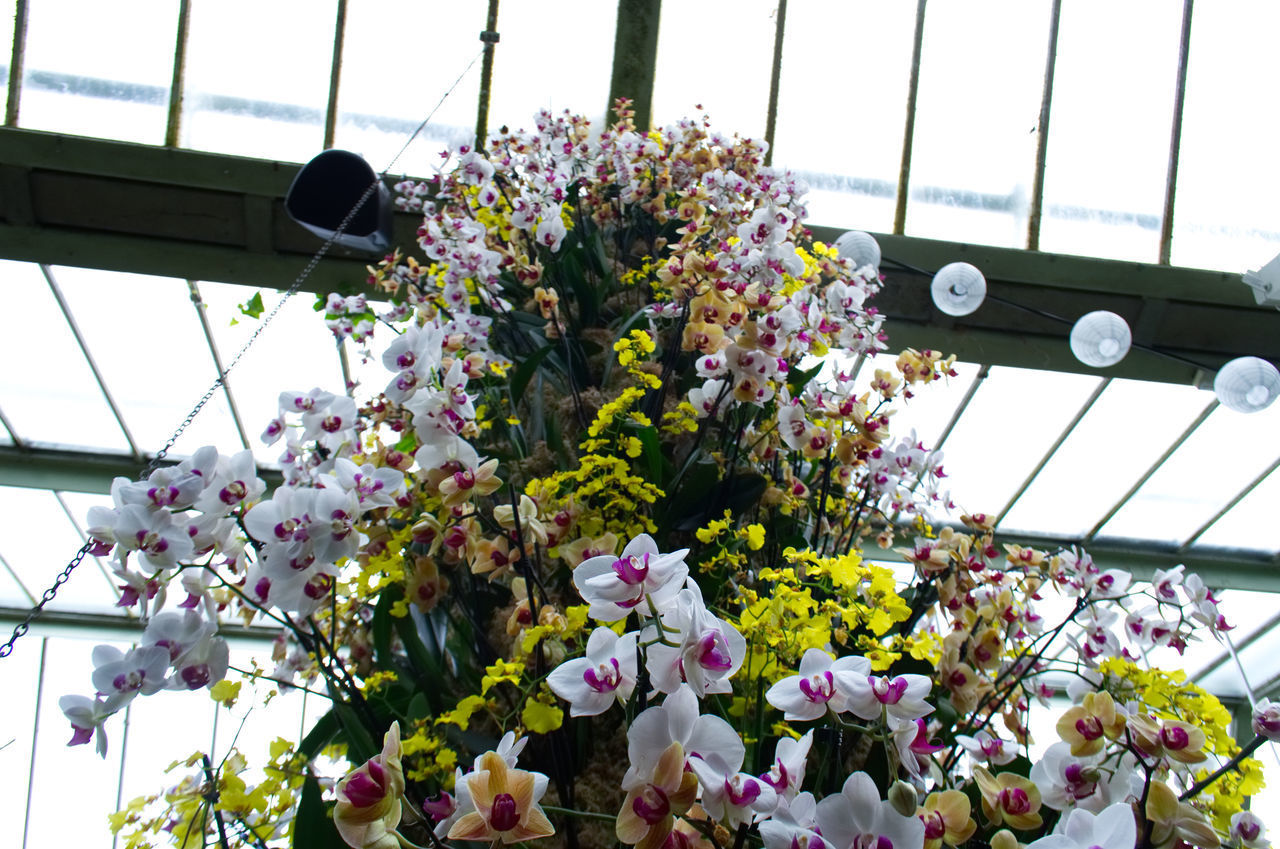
pixel 25 625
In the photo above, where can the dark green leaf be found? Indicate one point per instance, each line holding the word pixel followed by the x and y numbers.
pixel 798 378
pixel 359 742
pixel 382 628
pixel 314 828
pixel 524 373
pixel 320 735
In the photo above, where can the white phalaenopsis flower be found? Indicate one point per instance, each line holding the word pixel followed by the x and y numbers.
pixel 87 717
pixel 199 657
pixel 856 817
pixel 790 757
pixel 606 675
pixel 793 825
pixel 161 543
pixel 234 482
pixel 372 486
pixel 1079 829
pixel 988 748
pixel 901 696
pixel 814 691
pixel 1068 781
pixel 708 650
pixel 414 356
pixel 120 676
pixel 677 720
pixel 730 796
pixel 614 586
pixel 1247 828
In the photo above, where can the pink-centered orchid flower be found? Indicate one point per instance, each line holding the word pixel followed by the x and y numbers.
pixel 505 802
pixel 614 586
pixel 856 818
pixel 901 696
pixel 664 792
pixel 814 691
pixel 1080 829
pixel 368 808
pixel 607 674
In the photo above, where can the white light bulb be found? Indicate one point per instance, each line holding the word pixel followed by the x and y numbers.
pixel 1100 339
pixel 1247 384
pixel 958 288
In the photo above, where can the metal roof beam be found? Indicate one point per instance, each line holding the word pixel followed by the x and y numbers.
pixel 78 471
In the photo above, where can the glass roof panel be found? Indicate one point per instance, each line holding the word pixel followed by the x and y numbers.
pixel 1108 151
pixel 67 668
pixel 1109 450
pixel 697 39
pixel 53 398
pixel 1245 525
pixel 526 53
pixel 146 338
pixel 1261 662
pixel 93 69
pixel 41 547
pixel 1246 611
pixel 1228 181
pixel 384 93
pixel 268 101
pixel 295 353
pixel 1014 417
pixel 1213 465
pixel 852 163
pixel 930 408
pixel 974 145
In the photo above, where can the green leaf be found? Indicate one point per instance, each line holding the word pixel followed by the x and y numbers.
pixel 382 628
pixel 359 741
pixel 426 667
pixel 313 828
pixel 320 735
pixel 253 307
pixel 524 373
pixel 650 451
pixel 408 443
pixel 797 379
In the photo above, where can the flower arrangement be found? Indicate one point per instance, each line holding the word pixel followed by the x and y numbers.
pixel 593 565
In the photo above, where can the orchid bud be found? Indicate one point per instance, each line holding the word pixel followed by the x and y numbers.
pixel 904 798
pixel 368 808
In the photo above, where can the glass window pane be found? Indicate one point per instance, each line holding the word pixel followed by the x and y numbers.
pixel 1228 181
pixel 930 408
pixel 1260 659
pixel 93 69
pixel 1108 151
pixel 67 669
pixel 578 60
pixel 20 673
pixel 53 398
pixel 1245 525
pixel 149 346
pixel 149 754
pixel 845 134
pixel 699 38
pixel 1115 443
pixel 973 152
pixel 43 545
pixel 1014 417
pixel 8 12
pixel 385 93
pixel 269 100
pixel 295 353
pixel 1214 464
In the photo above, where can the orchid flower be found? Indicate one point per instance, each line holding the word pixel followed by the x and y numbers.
pixel 607 674
pixel 368 808
pixel 814 691
pixel 614 586
pixel 505 804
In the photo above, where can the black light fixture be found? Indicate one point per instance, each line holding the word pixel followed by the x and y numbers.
pixel 326 191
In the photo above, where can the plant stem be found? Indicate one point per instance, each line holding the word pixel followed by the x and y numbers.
pixel 1234 763
pixel 585 815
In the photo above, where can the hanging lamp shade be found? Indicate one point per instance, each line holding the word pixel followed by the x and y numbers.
pixel 1100 339
pixel 859 247
pixel 328 187
pixel 958 288
pixel 1247 384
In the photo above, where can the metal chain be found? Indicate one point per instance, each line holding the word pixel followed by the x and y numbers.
pixel 25 625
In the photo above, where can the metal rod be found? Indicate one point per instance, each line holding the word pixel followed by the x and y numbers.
pixel 83 539
pixel 775 79
pixel 1175 140
pixel 489 37
pixel 908 134
pixel 178 86
pixel 93 366
pixel 1042 138
pixel 1146 476
pixel 198 301
pixel 17 580
pixel 13 434
pixel 1253 637
pixel 335 74
pixel 983 372
pixel 1226 508
pixel 35 739
pixel 17 58
pixel 1053 449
